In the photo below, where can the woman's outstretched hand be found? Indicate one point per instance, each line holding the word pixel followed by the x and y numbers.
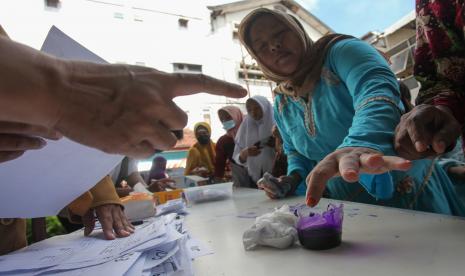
pixel 349 163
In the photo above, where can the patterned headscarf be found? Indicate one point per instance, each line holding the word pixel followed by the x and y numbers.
pixel 304 79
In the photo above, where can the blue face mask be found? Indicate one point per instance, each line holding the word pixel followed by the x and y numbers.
pixel 228 125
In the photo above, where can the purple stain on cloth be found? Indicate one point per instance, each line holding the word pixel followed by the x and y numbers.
pixel 321 231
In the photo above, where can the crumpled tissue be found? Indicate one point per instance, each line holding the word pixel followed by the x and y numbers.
pixel 276 229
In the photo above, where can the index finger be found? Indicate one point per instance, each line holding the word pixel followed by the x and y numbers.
pixel 446 138
pixel 317 179
pixel 187 84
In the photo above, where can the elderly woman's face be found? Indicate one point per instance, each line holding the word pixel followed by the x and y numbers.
pixel 254 109
pixel 276 45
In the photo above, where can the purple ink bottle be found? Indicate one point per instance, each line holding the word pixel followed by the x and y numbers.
pixel 321 231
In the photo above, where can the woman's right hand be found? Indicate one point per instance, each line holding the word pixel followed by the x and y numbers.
pixel 250 151
pixel 457 173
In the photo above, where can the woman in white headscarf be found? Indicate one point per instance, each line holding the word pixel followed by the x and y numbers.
pixel 254 142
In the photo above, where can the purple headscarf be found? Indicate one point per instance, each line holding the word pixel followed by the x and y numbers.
pixel 158 170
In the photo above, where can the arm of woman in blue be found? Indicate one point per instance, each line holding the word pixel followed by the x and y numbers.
pixel 375 94
pixel 298 166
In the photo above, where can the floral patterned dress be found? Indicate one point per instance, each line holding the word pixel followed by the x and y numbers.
pixel 440 54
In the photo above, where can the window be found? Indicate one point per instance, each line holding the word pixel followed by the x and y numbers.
pixel 411 82
pixel 235 33
pixel 206 116
pixel 187 68
pixel 52 4
pixel 412 40
pixel 118 15
pixel 398 48
pixel 250 72
pixel 182 22
pixel 402 60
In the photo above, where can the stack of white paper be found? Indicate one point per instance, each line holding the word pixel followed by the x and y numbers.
pixel 160 246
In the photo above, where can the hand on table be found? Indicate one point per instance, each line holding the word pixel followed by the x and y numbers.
pixel 113 220
pixel 278 187
pixel 17 138
pixel 131 104
pixel 426 131
pixel 200 171
pixel 349 163
pixel 457 173
pixel 161 185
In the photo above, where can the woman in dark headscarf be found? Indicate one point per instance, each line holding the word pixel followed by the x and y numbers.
pixel 201 156
pixel 158 170
pixel 158 178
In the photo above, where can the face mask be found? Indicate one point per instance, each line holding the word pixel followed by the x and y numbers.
pixel 203 139
pixel 228 125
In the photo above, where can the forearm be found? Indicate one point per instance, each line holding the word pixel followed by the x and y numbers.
pixel 29 83
pixel 296 180
pixel 298 164
pixel 373 127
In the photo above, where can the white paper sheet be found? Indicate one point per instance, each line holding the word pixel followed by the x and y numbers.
pixel 117 266
pixel 74 251
pixel 42 182
pixel 158 255
pixel 197 249
pixel 137 267
pixel 179 264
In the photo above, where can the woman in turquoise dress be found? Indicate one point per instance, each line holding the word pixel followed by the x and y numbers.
pixel 337 105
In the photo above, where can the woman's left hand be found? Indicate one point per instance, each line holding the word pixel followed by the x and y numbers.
pixel 161 185
pixel 349 163
pixel 271 142
pixel 112 219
